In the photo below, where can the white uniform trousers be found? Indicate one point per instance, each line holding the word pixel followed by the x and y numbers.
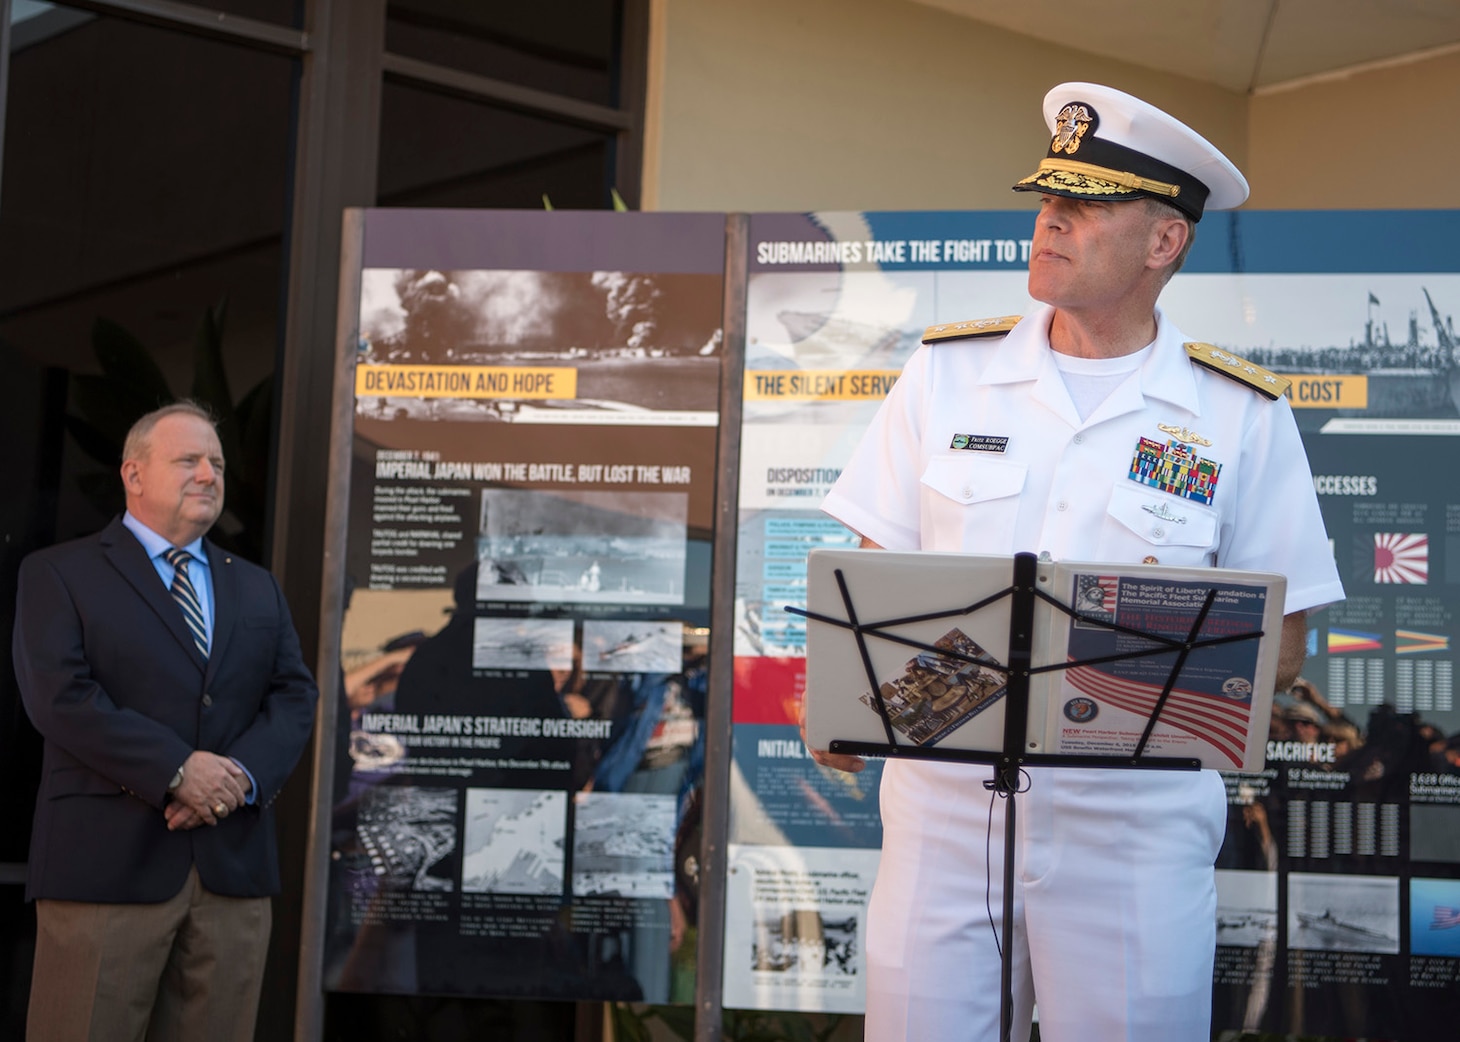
pixel 1114 905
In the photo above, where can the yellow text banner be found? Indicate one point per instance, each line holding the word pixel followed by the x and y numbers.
pixel 804 385
pixel 1328 391
pixel 465 381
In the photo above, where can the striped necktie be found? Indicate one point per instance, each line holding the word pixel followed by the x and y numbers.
pixel 187 597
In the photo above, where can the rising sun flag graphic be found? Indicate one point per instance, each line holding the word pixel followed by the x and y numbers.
pixel 1401 557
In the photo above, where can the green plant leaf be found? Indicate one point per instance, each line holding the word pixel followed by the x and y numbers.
pixel 128 364
pixel 834 1021
pixel 794 1027
pixel 628 1026
pixel 752 1026
pixel 248 467
pixel 103 491
pixel 678 1019
pixel 103 408
pixel 109 407
pixel 618 201
pixel 254 415
pixel 210 381
pixel 103 449
pixel 547 204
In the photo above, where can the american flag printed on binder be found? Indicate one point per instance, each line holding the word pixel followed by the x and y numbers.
pixel 1219 722
pixel 1446 918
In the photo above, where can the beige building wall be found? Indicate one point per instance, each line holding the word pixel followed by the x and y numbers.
pixel 1377 139
pixel 764 105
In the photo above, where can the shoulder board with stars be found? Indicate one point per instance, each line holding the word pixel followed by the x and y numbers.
pixel 1267 384
pixel 972 328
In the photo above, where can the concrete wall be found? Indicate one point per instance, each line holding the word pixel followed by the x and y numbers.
pixel 1379 139
pixel 867 104
pixel 881 104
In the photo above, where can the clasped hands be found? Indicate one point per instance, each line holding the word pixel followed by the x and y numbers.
pixel 213 787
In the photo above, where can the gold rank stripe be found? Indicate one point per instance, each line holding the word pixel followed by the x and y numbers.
pixel 1129 181
pixel 972 328
pixel 1265 383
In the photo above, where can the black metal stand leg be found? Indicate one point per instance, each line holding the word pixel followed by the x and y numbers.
pixel 1006 777
pixel 1006 949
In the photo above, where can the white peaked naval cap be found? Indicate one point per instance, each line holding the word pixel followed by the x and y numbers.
pixel 1107 144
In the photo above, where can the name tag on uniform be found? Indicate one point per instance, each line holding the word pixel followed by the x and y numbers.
pixel 979 443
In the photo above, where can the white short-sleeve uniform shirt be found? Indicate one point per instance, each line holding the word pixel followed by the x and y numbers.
pixel 1044 481
pixel 980 449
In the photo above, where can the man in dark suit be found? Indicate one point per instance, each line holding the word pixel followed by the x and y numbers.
pixel 166 678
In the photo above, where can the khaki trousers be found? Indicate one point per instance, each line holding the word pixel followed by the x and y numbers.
pixel 187 969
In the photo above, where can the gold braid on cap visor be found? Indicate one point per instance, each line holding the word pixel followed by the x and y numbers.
pixel 1106 180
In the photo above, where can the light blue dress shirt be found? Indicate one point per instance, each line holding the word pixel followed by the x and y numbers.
pixel 199 574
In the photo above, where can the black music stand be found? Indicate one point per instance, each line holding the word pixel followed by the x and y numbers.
pixel 1013 754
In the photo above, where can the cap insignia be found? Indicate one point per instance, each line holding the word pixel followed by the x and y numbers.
pixel 972 328
pixel 1070 127
pixel 1265 383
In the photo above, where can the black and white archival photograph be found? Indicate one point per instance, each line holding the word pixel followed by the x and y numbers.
pixel 804 940
pixel 1396 330
pixel 522 643
pixel 1247 909
pixel 612 646
pixel 408 832
pixel 1343 913
pixel 514 842
pixel 623 845
pixel 639 344
pixel 566 547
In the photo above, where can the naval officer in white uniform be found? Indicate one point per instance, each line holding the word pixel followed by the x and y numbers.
pixel 1091 429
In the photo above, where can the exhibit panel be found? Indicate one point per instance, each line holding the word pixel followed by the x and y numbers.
pixel 535 423
pixel 523 645
pixel 836 303
pixel 1337 883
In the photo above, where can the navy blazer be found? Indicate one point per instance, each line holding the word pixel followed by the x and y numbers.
pixel 114 683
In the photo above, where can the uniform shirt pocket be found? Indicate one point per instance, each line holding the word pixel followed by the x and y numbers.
pixel 971 503
pixel 1143 523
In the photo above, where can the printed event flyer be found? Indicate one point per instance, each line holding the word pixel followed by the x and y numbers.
pixel 1205 701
